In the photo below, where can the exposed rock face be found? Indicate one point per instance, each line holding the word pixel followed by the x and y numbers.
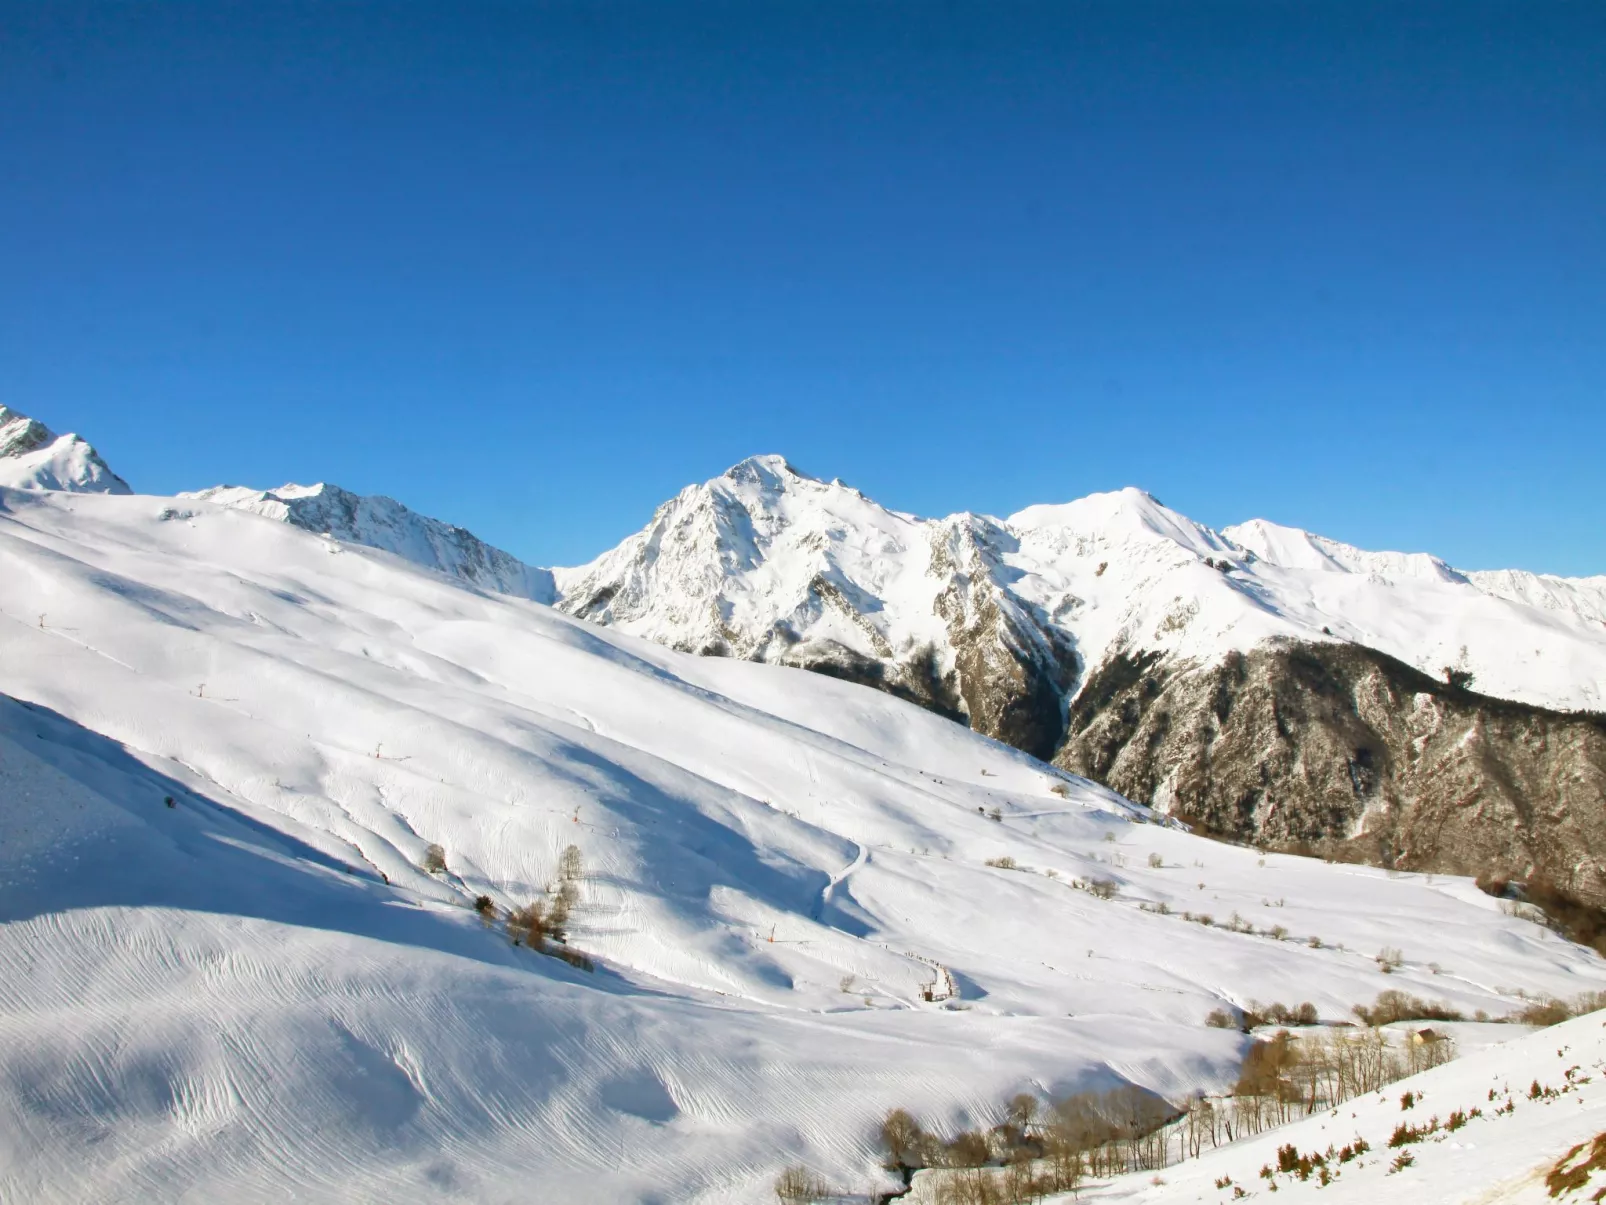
pixel 1345 751
pixel 386 524
pixel 33 457
pixel 1014 670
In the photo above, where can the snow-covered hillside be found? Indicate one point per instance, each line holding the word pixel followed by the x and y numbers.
pixel 1506 1144
pixel 224 974
pixel 32 456
pixel 386 524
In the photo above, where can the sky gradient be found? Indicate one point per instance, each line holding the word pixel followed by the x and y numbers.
pixel 532 268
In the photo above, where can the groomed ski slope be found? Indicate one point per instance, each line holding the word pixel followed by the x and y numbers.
pixel 255 994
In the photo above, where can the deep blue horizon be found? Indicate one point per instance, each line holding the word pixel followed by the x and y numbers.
pixel 532 268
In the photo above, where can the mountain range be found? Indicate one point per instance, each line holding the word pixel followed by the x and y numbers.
pixel 1260 683
pixel 277 806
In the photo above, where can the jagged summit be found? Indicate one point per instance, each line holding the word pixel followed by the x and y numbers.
pixel 33 457
pixel 770 470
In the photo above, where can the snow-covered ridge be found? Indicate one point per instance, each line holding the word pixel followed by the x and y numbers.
pixel 767 563
pixel 33 457
pixel 384 523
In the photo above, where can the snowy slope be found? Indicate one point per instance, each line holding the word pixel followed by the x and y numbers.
pixel 256 993
pixel 767 563
pixel 32 456
pixel 1499 1158
pixel 386 524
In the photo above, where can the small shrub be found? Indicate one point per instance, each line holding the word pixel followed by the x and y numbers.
pixel 1104 889
pixel 798 1184
pixel 1220 1018
pixel 485 906
pixel 1003 863
pixel 903 1140
pixel 1389 960
pixel 529 925
pixel 1401 1161
pixel 1353 1150
pixel 434 860
pixel 573 957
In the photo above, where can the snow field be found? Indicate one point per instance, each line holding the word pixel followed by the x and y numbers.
pixel 257 992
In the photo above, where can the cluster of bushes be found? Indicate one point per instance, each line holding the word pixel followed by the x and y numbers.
pixel 1554 1011
pixel 1256 1015
pixel 1391 1006
pixel 542 924
pixel 1035 1151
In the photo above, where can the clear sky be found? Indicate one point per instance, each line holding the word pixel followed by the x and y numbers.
pixel 533 267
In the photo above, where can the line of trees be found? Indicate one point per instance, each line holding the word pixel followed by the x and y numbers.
pixel 1041 1149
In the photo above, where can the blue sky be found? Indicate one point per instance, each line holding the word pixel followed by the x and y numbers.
pixel 533 267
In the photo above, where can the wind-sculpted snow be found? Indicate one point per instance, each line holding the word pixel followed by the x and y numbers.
pixel 224 975
pixel 32 456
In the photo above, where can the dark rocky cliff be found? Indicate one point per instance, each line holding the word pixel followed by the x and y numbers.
pixel 1343 751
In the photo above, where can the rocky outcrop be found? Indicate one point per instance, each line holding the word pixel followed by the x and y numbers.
pixel 1343 751
pixel 1012 669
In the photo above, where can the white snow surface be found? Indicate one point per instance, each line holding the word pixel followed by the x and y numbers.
pixel 254 994
pixel 738 563
pixel 33 457
pixel 1499 1158
pixel 386 524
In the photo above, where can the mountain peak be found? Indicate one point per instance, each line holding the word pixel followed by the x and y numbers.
pixel 33 457
pixel 770 471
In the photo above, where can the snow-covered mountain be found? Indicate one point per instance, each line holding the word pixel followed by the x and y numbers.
pixel 227 745
pixel 768 564
pixel 387 525
pixel 32 456
pixel 1263 682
